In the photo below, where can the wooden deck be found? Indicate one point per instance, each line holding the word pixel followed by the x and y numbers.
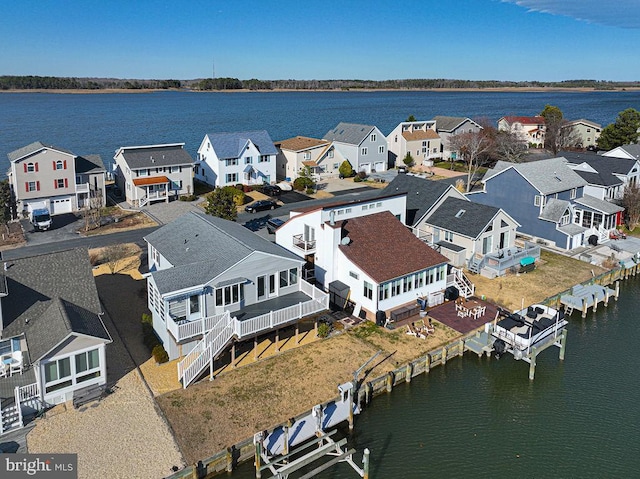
pixel 446 314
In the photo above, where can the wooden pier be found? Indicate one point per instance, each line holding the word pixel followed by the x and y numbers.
pixel 583 297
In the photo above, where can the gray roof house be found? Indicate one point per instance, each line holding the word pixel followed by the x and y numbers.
pixel 229 158
pixel 363 146
pixel 447 126
pixel 153 172
pixel 53 337
pixel 548 199
pixel 56 177
pixel 212 282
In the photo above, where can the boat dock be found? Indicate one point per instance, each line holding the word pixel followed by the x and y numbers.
pixel 583 297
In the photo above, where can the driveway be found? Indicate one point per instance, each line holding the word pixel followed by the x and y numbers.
pixel 64 227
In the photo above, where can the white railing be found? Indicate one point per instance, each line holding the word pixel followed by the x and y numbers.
pixel 82 187
pixel 143 201
pixel 189 329
pixel 18 407
pixel 210 349
pixel 30 391
pixel 457 278
pixel 223 320
pixel 303 244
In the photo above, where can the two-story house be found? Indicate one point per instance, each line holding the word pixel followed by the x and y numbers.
pixel 418 138
pixel 605 177
pixel 448 126
pixel 243 157
pixel 362 252
pixel 61 180
pixel 52 337
pixel 629 171
pixel 301 152
pixel 587 131
pixel 363 146
pixel 547 199
pixel 212 282
pixel 153 172
pixel 530 130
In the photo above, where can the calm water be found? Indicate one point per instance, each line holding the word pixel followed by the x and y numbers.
pixel 484 418
pixel 100 123
pixel 473 417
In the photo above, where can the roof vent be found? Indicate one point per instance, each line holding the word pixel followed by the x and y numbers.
pixel 460 213
pixel 345 241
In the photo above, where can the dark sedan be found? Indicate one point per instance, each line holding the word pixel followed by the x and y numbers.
pixel 260 206
pixel 271 190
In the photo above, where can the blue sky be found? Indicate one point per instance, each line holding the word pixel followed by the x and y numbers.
pixel 545 40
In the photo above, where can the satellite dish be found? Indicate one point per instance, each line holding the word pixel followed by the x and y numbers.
pixel 345 241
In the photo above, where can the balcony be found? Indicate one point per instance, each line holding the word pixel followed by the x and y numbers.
pixel 305 245
pixel 82 187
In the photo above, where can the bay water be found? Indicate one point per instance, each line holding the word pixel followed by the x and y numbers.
pixel 474 417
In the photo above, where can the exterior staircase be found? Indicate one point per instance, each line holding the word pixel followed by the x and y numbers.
pixel 475 265
pixel 458 279
pixel 212 343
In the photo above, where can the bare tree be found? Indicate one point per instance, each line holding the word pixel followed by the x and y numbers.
pixel 473 147
pixel 508 147
pixel 568 136
pixel 93 212
pixel 631 203
pixel 113 254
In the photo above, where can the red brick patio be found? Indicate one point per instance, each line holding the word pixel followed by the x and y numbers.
pixel 446 314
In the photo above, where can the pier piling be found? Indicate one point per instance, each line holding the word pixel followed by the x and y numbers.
pixel 563 344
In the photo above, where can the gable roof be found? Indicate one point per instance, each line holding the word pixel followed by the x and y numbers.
pixel 525 120
pixel 201 247
pixel 301 143
pixel 599 205
pixel 229 145
pixel 463 217
pixel 350 133
pixel 417 135
pixel 547 176
pixel 422 194
pixel 590 123
pixel 51 305
pixel 155 156
pixel 89 164
pixel 34 148
pixel 605 165
pixel 554 210
pixel 374 244
pixel 449 123
pixel 632 150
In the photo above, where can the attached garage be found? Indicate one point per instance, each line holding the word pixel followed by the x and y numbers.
pixel 61 205
pixel 379 166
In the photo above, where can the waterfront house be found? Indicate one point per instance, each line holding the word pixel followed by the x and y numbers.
pixel 530 130
pixel 419 138
pixel 300 152
pixel 605 177
pixel 212 282
pixel 363 146
pixel 62 180
pixel 448 126
pixel 631 152
pixel 587 131
pixel 52 340
pixel 547 199
pixel 151 173
pixel 242 157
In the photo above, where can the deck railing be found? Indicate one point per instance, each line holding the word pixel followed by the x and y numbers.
pixel 303 244
pixel 188 329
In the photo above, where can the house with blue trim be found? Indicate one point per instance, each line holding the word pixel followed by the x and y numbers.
pixel 548 200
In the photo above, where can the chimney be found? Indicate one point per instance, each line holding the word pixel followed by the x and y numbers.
pixel 332 217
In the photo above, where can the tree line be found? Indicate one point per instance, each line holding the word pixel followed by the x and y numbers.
pixel 30 82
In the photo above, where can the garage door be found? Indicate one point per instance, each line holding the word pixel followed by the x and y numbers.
pixel 379 166
pixel 61 206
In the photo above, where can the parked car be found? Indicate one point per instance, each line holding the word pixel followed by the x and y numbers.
pixel 271 190
pixel 273 224
pixel 260 205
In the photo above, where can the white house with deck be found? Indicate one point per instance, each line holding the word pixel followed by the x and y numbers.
pixel 212 282
pixel 418 138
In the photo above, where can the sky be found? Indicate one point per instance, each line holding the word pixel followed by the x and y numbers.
pixel 508 40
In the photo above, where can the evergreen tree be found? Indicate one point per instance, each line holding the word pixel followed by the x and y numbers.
pixel 623 132
pixel 221 203
pixel 346 170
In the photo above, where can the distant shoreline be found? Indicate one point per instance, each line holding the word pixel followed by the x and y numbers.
pixel 348 90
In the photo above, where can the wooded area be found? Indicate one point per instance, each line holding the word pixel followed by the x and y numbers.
pixel 64 83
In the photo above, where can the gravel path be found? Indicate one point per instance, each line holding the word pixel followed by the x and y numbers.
pixel 121 436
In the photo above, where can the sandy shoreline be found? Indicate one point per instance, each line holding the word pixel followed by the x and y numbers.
pixel 448 90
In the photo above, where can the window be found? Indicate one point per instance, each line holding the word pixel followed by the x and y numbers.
pixel 307 155
pixel 419 279
pixel 293 276
pixel 368 290
pixel 381 149
pixel 537 200
pixel 60 183
pixel 142 172
pixel 30 168
pixel 354 275
pixel 407 283
pixel 32 186
pixel 383 291
pixel 396 287
pixel 87 361
pixel 565 218
pixel 59 165
pixel 232 177
pixel 336 166
pixel 373 137
pixel 263 159
pixel 231 162
pixel 573 193
pixel 363 152
pixel 330 154
pixel 57 374
pixel 248 160
pixel 487 243
pixel 288 277
pixel 229 294
pixel 448 236
pixel 194 304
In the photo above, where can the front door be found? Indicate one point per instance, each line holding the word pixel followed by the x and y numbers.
pixel 266 287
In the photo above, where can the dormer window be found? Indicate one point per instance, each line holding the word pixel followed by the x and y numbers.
pixel 574 192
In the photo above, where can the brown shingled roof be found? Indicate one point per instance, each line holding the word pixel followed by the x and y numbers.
pixel 150 180
pixel 420 135
pixel 385 249
pixel 300 143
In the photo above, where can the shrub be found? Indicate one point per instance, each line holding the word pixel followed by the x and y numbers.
pixel 357 179
pixel 310 191
pixel 346 170
pixel 239 197
pixel 323 330
pixel 247 188
pixel 302 183
pixel 159 354
pixel 188 197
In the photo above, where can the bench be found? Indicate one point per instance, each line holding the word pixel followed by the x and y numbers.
pixel 404 313
pixel 88 394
